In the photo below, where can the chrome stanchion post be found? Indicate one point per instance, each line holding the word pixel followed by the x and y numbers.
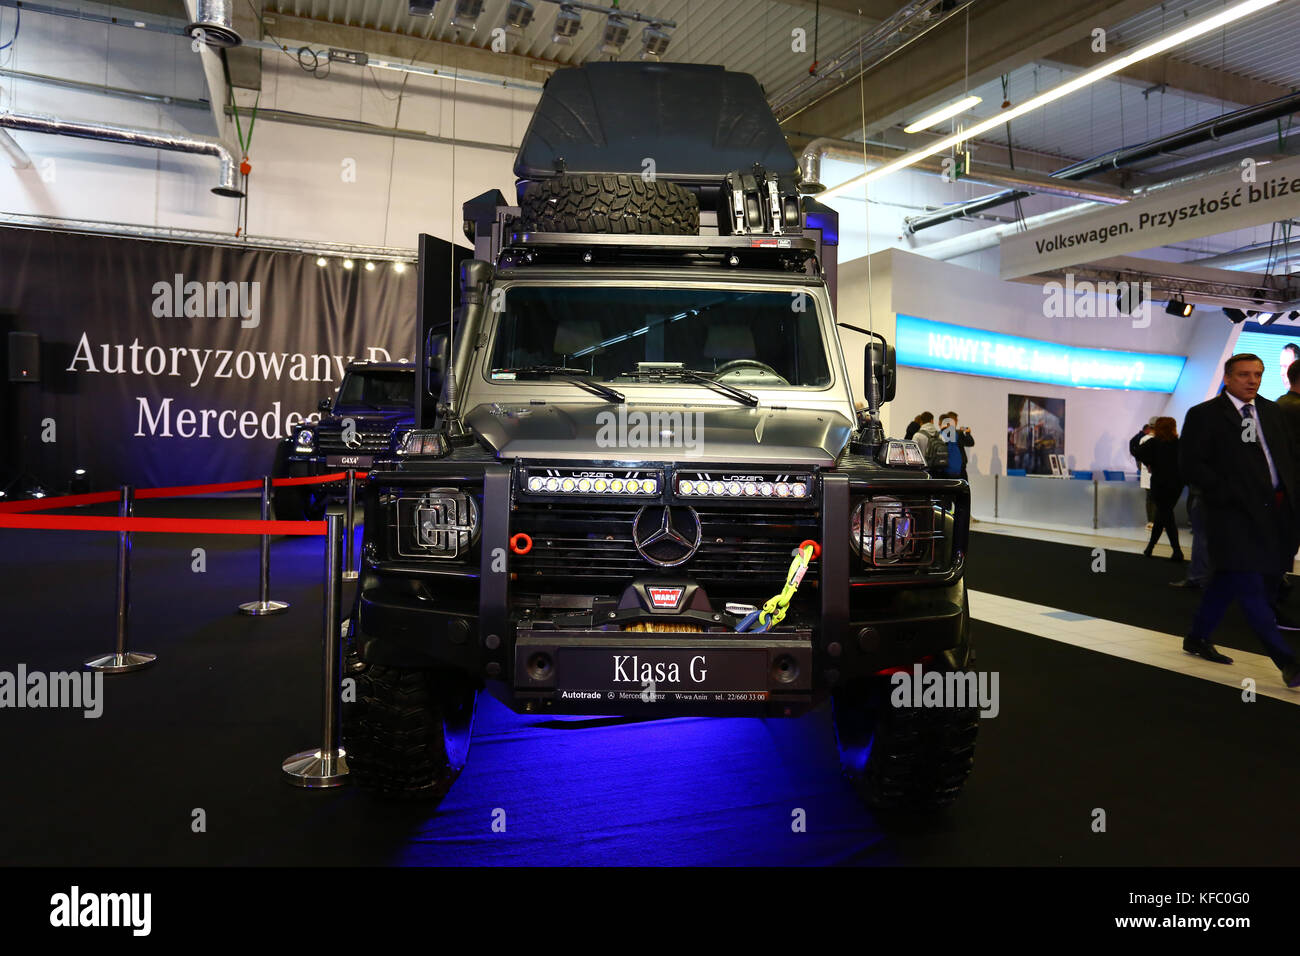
pixel 995 494
pixel 349 545
pixel 1095 493
pixel 328 766
pixel 264 605
pixel 122 660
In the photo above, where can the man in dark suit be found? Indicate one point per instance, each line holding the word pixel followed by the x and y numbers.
pixel 1236 450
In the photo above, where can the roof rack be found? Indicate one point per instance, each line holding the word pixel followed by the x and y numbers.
pixel 786 253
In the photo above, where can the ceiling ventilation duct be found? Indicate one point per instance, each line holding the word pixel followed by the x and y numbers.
pixel 153 139
pixel 214 24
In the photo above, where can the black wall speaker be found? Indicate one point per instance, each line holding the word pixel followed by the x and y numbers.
pixel 24 357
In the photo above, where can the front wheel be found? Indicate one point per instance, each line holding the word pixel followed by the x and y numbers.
pixel 407 730
pixel 901 756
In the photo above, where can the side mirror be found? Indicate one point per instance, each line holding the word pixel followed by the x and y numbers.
pixel 881 362
pixel 435 363
pixel 323 405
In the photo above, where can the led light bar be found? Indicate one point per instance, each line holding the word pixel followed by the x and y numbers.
pixel 564 481
pixel 706 485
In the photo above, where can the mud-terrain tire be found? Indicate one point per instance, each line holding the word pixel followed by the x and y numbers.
pixel 903 758
pixel 610 204
pixel 406 734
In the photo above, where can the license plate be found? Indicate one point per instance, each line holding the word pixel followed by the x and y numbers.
pixel 349 461
pixel 667 673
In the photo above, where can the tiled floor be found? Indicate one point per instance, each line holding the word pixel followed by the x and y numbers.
pixel 1131 643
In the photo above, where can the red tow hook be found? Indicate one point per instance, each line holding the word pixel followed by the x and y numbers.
pixel 521 543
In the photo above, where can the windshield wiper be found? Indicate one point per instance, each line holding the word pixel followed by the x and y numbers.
pixel 739 394
pixel 577 376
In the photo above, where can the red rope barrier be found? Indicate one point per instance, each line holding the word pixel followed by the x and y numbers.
pixel 68 501
pixel 177 491
pixel 162 525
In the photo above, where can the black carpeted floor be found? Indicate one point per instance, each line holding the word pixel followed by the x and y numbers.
pixel 207 727
pixel 1132 590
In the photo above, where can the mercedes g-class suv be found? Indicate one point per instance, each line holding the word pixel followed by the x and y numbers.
pixel 374 400
pixel 639 482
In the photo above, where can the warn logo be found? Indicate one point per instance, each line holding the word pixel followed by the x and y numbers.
pixel 666 598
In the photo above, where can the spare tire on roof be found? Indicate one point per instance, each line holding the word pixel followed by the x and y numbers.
pixel 611 204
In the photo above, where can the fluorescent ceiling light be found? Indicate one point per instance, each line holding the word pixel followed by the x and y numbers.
pixel 941 114
pixel 1154 48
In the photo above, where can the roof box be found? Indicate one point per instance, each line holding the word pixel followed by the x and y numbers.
pixel 696 122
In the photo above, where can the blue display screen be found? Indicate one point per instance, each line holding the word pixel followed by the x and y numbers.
pixel 958 348
pixel 1278 347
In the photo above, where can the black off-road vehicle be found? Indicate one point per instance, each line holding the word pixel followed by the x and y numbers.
pixel 374 400
pixel 639 482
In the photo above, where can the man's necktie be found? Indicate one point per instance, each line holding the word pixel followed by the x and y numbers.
pixel 1248 411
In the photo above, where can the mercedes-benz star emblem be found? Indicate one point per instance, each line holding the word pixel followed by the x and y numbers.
pixel 666 536
pixel 353 442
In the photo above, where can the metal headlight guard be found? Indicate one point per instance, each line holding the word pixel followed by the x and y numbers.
pixel 442 523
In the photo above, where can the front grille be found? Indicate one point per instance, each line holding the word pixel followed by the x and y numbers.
pixel 578 546
pixel 372 442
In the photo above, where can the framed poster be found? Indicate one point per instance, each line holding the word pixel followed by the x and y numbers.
pixel 1035 432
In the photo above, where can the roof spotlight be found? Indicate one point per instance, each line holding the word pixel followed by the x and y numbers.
pixel 616 33
pixel 1268 318
pixel 1178 307
pixel 320 261
pixel 567 24
pixel 466 14
pixel 399 267
pixel 519 14
pixel 421 8
pixel 1235 316
pixel 347 263
pixel 654 41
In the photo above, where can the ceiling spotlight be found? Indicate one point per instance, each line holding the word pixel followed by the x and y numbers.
pixel 466 14
pixel 941 114
pixel 1235 316
pixel 320 261
pixel 1268 318
pixel 616 33
pixel 421 8
pixel 347 263
pixel 1292 316
pixel 370 267
pixel 518 14
pixel 567 24
pixel 399 267
pixel 654 41
pixel 1178 307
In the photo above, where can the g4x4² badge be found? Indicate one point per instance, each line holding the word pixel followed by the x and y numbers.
pixel 666 536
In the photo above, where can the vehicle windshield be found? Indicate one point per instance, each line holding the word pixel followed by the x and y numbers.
pixel 378 389
pixel 768 338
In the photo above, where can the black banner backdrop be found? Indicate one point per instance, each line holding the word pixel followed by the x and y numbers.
pixel 167 363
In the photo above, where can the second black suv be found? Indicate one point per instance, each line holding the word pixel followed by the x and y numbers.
pixel 355 425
